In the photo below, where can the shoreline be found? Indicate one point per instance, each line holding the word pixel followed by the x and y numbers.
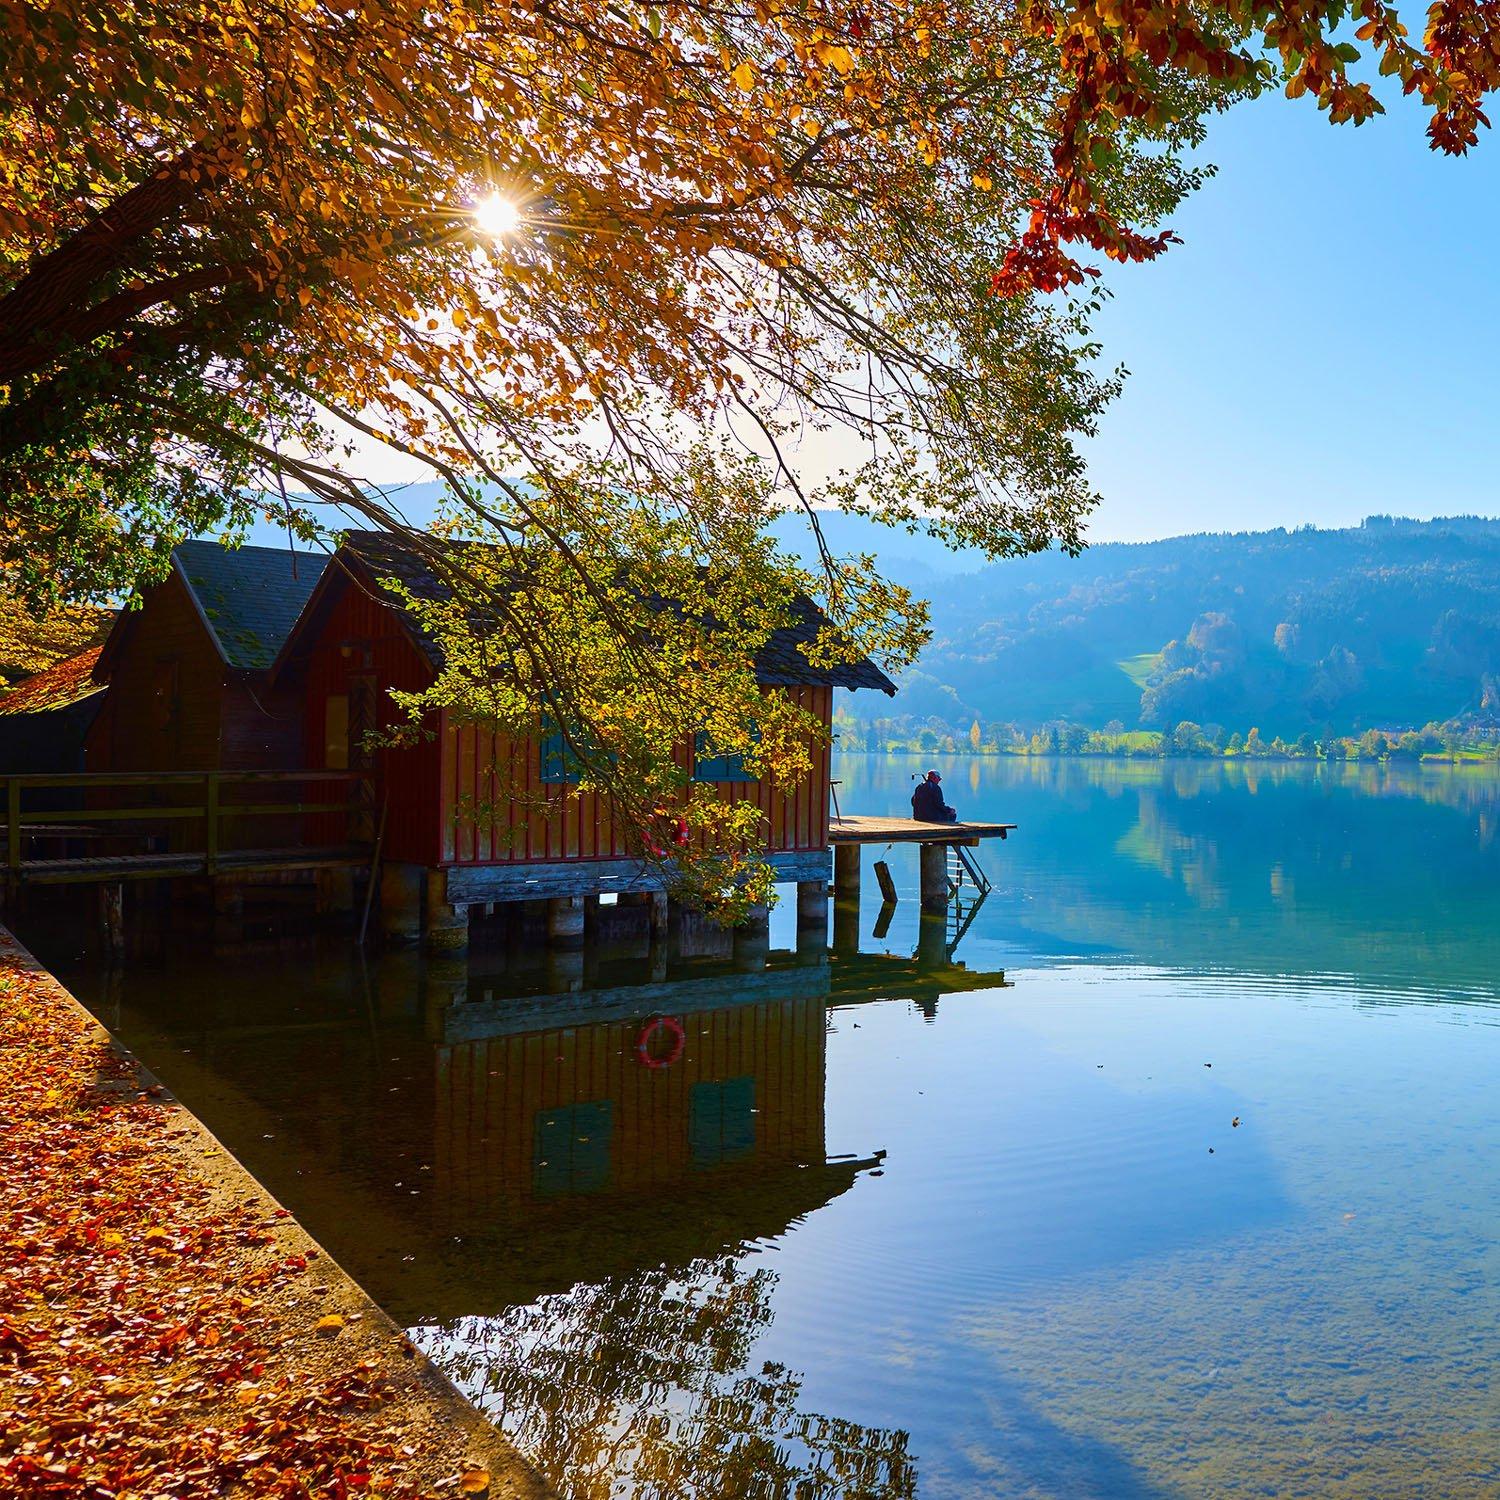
pixel 169 1325
pixel 1442 762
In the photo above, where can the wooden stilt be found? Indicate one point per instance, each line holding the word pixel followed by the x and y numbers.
pixel 112 915
pixel 934 876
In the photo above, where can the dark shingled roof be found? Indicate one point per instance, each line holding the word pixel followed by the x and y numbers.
pixel 248 595
pixel 780 663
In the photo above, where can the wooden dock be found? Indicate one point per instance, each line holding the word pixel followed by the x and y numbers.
pixel 861 829
pixel 936 843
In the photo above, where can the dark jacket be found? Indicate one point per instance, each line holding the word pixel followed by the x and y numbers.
pixel 927 805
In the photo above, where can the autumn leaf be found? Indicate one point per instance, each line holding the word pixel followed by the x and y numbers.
pixel 329 1326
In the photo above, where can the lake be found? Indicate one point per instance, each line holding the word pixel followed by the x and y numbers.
pixel 1178 1180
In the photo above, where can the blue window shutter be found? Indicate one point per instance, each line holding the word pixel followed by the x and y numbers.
pixel 570 1149
pixel 558 765
pixel 722 1125
pixel 717 767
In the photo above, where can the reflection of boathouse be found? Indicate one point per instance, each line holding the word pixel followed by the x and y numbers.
pixel 583 1128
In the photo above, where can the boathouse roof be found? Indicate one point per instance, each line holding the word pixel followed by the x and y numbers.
pixel 780 662
pixel 59 686
pixel 247 599
pixel 250 597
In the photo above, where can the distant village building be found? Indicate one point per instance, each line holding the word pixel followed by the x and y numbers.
pixel 189 671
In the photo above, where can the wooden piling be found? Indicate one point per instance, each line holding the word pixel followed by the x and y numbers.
pixel 565 922
pixel 401 902
pixel 934 877
pixel 445 928
pixel 752 940
pixel 846 859
pixel 112 915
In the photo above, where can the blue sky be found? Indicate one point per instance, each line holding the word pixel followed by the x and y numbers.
pixel 1321 347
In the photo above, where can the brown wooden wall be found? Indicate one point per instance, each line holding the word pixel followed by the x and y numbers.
pixel 492 1096
pixel 434 788
pixel 261 728
pixel 409 778
pixel 163 711
pixel 484 769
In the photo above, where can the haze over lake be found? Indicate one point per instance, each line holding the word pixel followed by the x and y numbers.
pixel 928 1242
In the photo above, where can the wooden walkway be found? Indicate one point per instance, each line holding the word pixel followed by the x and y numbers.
pixel 859 829
pixel 88 870
pixel 106 827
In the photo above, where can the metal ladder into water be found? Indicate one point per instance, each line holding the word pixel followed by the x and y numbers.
pixel 964 875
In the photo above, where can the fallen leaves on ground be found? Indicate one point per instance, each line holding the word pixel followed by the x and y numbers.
pixel 144 1347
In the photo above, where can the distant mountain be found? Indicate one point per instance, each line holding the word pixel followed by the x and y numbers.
pixel 917 561
pixel 1389 624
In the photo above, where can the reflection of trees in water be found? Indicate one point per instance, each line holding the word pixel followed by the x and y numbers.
pixel 638 1387
pixel 1188 859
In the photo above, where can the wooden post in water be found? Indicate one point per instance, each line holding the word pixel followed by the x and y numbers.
pixel 812 917
pixel 446 928
pixel 565 922
pixel 845 925
pixel 846 872
pixel 112 916
pixel 401 902
pixel 934 874
pixel 752 940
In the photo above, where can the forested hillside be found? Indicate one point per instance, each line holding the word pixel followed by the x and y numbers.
pixel 1388 625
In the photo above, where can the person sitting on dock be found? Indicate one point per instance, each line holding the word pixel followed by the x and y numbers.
pixel 927 805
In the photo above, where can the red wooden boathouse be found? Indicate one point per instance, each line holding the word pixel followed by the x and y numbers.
pixel 353 644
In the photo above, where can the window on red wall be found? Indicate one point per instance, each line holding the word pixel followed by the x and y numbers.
pixel 336 732
pixel 166 699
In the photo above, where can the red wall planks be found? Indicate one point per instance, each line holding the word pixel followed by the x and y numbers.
pixel 468 796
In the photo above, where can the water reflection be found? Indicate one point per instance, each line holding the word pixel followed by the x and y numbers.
pixel 1383 875
pixel 574 1132
pixel 1174 1178
pixel 643 1384
pixel 560 1193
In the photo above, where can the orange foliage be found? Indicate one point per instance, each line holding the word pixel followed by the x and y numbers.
pixel 143 1350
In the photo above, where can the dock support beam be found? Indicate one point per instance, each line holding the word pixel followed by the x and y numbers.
pixel 655 906
pixel 812 917
pixel 846 872
pixel 446 929
pixel 401 902
pixel 934 872
pixel 565 920
pixel 112 916
pixel 752 940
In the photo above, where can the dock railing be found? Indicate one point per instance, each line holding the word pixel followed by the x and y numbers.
pixel 193 812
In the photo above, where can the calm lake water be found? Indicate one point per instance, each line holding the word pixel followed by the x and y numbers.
pixel 1184 1185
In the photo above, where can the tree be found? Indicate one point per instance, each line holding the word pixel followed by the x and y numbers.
pixel 566 241
pixel 28 643
pixel 223 235
pixel 576 259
